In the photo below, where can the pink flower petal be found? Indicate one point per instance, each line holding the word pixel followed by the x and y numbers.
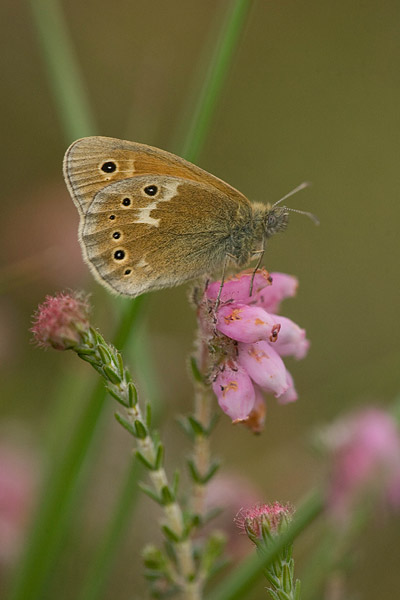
pixel 246 323
pixel 265 367
pixel 283 286
pixel 292 339
pixel 291 394
pixel 235 392
pixel 237 288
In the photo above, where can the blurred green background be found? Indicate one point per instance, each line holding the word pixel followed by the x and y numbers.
pixel 314 94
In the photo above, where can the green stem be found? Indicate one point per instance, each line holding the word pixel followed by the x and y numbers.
pixel 214 80
pixel 64 76
pixel 239 583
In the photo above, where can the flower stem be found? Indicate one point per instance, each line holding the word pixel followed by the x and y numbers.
pixel 108 363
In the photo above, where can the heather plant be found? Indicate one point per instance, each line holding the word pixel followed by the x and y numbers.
pixel 237 368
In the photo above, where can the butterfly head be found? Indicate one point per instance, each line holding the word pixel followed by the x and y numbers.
pixel 276 219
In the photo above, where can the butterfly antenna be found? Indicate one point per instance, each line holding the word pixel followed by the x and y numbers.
pixel 301 212
pixel 313 218
pixel 296 189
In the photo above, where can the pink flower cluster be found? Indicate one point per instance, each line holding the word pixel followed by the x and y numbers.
pixel 252 340
pixel 365 451
pixel 61 321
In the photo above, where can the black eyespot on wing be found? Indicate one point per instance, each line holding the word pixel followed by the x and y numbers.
pixel 112 217
pixel 108 167
pixel 127 272
pixel 151 190
pixel 116 235
pixel 126 201
pixel 119 254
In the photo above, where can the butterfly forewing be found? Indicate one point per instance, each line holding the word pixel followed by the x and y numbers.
pixel 94 162
pixel 154 231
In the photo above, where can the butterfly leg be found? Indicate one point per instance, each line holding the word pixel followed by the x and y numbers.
pixel 261 255
pixel 228 257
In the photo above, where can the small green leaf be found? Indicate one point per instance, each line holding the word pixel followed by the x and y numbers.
pixel 196 426
pixel 128 426
pixel 159 456
pixel 211 472
pixel 286 578
pixel 170 535
pixel 116 396
pixel 144 460
pixel 120 365
pixel 141 431
pixel 167 495
pixel 213 421
pixel 132 395
pixel 83 352
pixel 150 493
pixel 193 471
pixel 104 353
pixel 183 422
pixel 197 376
pixel 111 375
pixel 148 415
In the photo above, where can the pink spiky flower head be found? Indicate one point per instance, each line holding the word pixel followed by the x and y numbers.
pixel 61 321
pixel 264 520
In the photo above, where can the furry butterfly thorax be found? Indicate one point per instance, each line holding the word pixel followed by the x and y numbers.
pixel 150 219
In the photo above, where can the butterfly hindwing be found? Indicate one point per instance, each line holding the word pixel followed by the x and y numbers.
pixel 135 242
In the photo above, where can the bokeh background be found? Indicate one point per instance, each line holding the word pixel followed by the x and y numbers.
pixel 313 94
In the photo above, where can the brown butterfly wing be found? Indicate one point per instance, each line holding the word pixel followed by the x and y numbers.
pixel 135 243
pixel 88 165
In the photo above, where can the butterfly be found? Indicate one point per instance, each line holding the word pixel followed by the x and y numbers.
pixel 150 219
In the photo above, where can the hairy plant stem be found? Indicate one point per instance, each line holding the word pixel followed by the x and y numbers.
pixel 108 363
pixel 202 450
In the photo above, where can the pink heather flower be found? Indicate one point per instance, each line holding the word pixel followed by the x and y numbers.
pixel 265 367
pixel 237 288
pixel 284 286
pixel 246 323
pixel 365 451
pixel 235 392
pixel 243 332
pixel 292 339
pixel 61 321
pixel 291 394
pixel 272 517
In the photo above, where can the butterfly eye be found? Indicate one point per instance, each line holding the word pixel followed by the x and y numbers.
pixel 126 201
pixel 271 220
pixel 151 190
pixel 108 167
pixel 119 254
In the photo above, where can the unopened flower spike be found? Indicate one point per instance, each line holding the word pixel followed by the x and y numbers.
pixel 61 321
pixel 263 523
